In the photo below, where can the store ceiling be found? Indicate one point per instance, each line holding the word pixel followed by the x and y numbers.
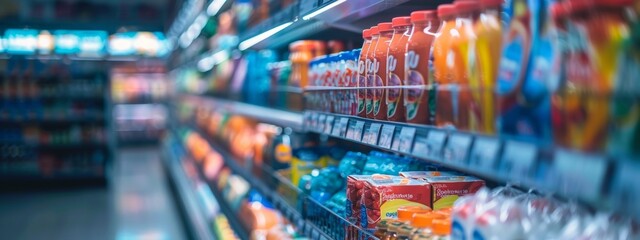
pixel 109 15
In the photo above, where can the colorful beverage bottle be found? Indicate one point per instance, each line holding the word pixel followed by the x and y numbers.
pixel 453 99
pixel 512 71
pixel 586 106
pixel 560 131
pixel 419 68
pixel 375 35
pixel 380 70
pixel 484 70
pixel 443 64
pixel 351 77
pixel 395 68
pixel 362 73
pixel 625 110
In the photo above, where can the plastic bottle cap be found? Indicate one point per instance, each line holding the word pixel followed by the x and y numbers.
pixel 366 34
pixel 400 21
pixel 490 3
pixel 466 6
pixel 374 30
pixel 425 220
pixel 442 226
pixel 447 10
pixel 420 16
pixel 384 27
pixel 405 214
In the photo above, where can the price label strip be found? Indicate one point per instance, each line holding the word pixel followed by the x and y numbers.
pixel 328 124
pixel 351 130
pixel 580 174
pixel 395 145
pixel 434 143
pixel 321 123
pixel 337 126
pixel 373 133
pixel 518 160
pixel 457 148
pixel 344 123
pixel 386 136
pixel 625 192
pixel 484 154
pixel 358 129
pixel 405 141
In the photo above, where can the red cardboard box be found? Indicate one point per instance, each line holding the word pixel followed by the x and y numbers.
pixel 422 175
pixel 447 189
pixel 383 195
pixel 355 187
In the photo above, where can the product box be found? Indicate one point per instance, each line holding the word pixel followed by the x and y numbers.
pixel 422 175
pixel 355 187
pixel 447 189
pixel 384 194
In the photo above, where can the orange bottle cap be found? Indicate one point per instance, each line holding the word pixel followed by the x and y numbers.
pixel 384 27
pixel 442 226
pixel 447 10
pixel 400 21
pixel 425 220
pixel 374 30
pixel 366 34
pixel 421 16
pixel 466 6
pixel 405 214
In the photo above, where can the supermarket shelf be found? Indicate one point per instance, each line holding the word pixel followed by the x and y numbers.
pixel 263 114
pixel 187 196
pixel 569 174
pixel 352 16
pixel 314 220
pixel 55 146
pixel 59 120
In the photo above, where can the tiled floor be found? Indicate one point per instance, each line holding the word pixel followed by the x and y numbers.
pixel 136 205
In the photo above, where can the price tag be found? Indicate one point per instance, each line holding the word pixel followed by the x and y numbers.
pixel 372 133
pixel 321 123
pixel 328 124
pixel 518 160
pixel 457 148
pixel 580 175
pixel 435 142
pixel 484 154
pixel 358 128
pixel 625 192
pixel 337 125
pixel 350 130
pixel 396 139
pixel 406 139
pixel 420 147
pixel 386 136
pixel 344 123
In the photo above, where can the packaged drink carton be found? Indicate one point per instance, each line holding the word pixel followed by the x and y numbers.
pixel 447 189
pixel 383 195
pixel 355 188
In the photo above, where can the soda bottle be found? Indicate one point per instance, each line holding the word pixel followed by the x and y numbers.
pixel 395 68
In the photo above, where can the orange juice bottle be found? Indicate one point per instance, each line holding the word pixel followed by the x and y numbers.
pixel 484 69
pixel 419 67
pixel 380 70
pixel 443 64
pixel 585 105
pixel 362 73
pixel 375 35
pixel 395 68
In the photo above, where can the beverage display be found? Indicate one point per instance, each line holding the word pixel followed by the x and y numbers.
pixel 395 68
pixel 418 97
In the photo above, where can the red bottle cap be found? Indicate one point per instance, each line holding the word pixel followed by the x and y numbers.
pixel 466 6
pixel 400 21
pixel 490 3
pixel 385 27
pixel 374 30
pixel 447 10
pixel 366 34
pixel 421 16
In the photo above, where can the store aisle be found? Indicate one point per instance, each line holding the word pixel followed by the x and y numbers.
pixel 137 205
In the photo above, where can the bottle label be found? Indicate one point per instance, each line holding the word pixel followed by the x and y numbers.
pixel 457 230
pixel 394 92
pixel 413 78
pixel 361 84
pixel 377 82
pixel 369 92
